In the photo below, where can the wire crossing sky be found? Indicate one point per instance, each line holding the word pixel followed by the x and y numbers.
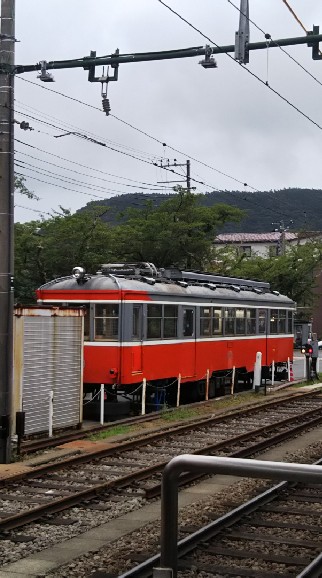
pixel 231 126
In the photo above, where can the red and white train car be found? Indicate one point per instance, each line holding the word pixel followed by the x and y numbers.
pixel 158 324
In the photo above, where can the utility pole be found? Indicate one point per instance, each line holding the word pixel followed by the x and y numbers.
pixel 7 60
pixel 169 167
pixel 282 240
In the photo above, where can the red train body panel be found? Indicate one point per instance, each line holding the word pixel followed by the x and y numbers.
pixel 145 324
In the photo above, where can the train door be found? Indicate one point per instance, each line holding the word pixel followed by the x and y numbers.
pixel 137 337
pixel 189 335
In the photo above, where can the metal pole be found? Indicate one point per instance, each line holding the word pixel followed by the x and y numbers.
pixel 216 465
pixel 188 177
pixel 7 57
pixel 207 385
pixel 51 414
pixel 102 404
pixel 178 390
pixel 143 396
pixel 88 61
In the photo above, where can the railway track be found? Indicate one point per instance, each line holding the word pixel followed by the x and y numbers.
pixel 31 445
pixel 276 534
pixel 133 468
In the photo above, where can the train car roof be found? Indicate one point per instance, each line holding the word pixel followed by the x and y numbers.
pixel 168 289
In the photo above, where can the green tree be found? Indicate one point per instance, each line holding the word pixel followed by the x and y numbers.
pixel 292 274
pixel 21 188
pixel 179 232
pixel 50 248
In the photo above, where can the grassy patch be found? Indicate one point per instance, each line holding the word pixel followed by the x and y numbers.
pixel 114 431
pixel 181 413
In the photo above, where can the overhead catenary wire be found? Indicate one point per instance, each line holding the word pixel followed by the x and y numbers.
pixel 187 155
pixel 59 186
pixel 151 188
pixel 34 210
pixel 243 67
pixel 74 127
pixel 81 164
pixel 66 178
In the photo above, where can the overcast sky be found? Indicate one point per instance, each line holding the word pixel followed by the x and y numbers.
pixel 222 117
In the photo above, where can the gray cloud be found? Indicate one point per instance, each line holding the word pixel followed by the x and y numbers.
pixel 223 117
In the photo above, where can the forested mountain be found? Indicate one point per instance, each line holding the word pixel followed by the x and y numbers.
pixel 303 206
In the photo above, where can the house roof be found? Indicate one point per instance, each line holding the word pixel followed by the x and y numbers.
pixel 254 237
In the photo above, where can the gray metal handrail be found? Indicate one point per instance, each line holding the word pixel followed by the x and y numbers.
pixel 215 465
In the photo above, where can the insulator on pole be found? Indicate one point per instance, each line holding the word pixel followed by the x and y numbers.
pixel 106 106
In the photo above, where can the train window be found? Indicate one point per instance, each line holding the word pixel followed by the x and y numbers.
pixel 217 322
pixel 205 321
pixel 229 321
pixel 290 322
pixel 274 321
pixel 136 322
pixel 251 321
pixel 154 322
pixel 282 321
pixel 170 321
pixel 86 324
pixel 240 322
pixel 262 321
pixel 188 323
pixel 106 322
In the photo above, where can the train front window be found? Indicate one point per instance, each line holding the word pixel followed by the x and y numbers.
pixel 170 321
pixel 262 321
pixel 217 322
pixel 154 322
pixel 229 321
pixel 240 322
pixel 205 321
pixel 290 322
pixel 282 321
pixel 274 321
pixel 251 321
pixel 188 322
pixel 106 322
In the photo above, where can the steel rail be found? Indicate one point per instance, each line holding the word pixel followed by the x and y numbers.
pixel 211 530
pixel 65 502
pixel 28 447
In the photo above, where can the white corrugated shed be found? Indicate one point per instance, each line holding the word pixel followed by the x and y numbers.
pixel 48 346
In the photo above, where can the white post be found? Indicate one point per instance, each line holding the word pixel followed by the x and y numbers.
pixel 178 390
pixel 232 386
pixel 318 365
pixel 51 413
pixel 304 366
pixel 257 371
pixel 288 370
pixel 143 396
pixel 273 372
pixel 102 405
pixel 207 385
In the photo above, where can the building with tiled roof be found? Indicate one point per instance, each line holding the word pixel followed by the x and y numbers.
pixel 264 244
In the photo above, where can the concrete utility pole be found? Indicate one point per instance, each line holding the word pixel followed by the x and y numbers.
pixel 7 60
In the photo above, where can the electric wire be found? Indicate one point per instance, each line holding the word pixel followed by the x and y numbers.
pixel 272 41
pixel 74 127
pixel 24 164
pixel 295 16
pixel 81 164
pixel 60 186
pixel 151 188
pixel 243 67
pixel 140 131
pixel 35 210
